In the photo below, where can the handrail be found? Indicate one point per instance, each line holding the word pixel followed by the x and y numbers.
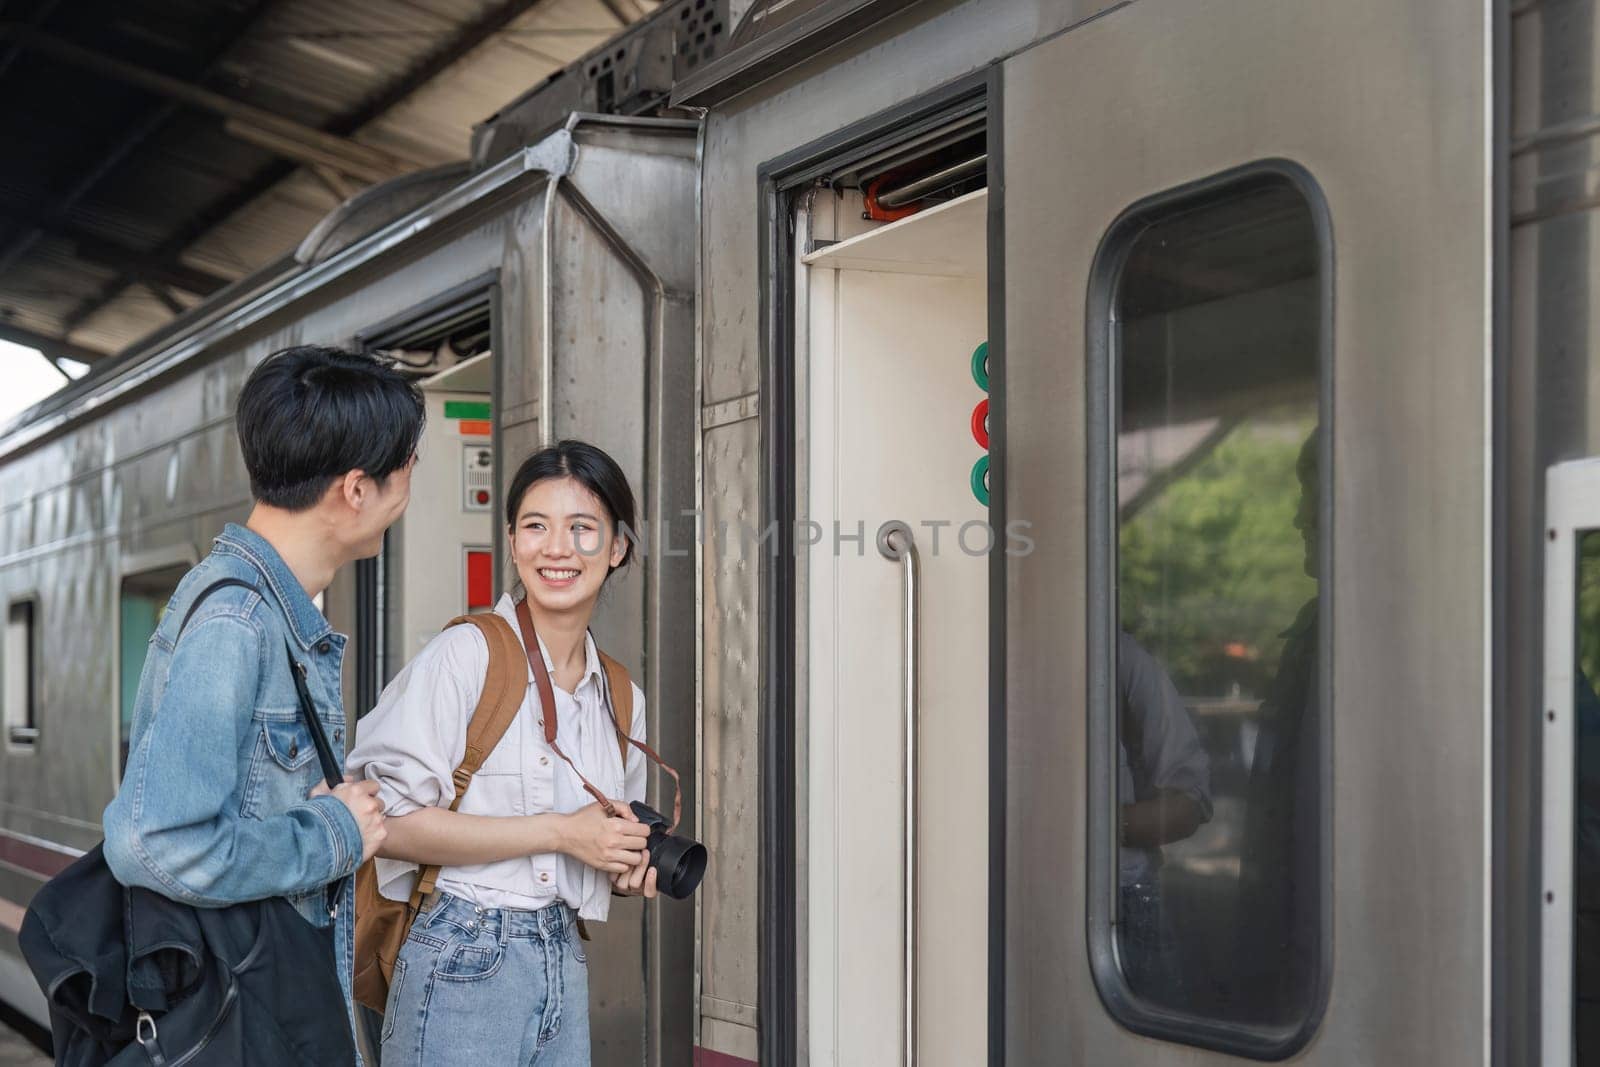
pixel 895 542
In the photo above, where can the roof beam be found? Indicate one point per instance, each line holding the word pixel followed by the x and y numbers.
pixel 53 348
pixel 290 138
pixel 469 36
pixel 145 266
pixel 165 296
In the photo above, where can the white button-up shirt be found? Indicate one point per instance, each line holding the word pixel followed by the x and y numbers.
pixel 412 741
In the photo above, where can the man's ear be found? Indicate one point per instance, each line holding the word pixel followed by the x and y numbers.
pixel 353 489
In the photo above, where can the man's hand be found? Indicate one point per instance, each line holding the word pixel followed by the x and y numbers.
pixel 362 800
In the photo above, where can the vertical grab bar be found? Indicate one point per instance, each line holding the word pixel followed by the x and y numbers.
pixel 895 542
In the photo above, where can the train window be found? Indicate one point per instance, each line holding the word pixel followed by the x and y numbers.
pixel 144 602
pixel 1213 309
pixel 19 673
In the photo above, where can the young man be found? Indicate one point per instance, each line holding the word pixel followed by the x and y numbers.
pixel 223 799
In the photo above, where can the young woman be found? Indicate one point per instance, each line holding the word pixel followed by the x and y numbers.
pixel 494 970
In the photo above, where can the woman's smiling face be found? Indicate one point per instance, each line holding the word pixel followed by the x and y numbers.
pixel 564 543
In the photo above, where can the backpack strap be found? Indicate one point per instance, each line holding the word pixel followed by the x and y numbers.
pixel 504 686
pixel 621 708
pixel 619 694
pixel 194 605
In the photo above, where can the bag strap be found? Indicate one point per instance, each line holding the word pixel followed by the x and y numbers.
pixel 547 700
pixel 331 771
pixel 619 698
pixel 617 681
pixel 504 686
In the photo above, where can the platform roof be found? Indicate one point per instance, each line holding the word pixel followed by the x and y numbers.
pixel 160 149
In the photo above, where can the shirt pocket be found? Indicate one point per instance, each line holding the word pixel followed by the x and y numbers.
pixel 497 787
pixel 282 769
pixel 505 757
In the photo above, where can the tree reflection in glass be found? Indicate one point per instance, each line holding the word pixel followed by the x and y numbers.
pixel 1219 552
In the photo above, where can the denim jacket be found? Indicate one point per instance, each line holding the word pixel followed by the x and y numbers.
pixel 213 809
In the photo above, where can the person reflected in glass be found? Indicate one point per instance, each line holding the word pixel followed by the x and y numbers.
pixel 1279 866
pixel 1164 788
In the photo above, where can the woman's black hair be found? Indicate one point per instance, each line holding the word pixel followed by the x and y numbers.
pixel 309 414
pixel 592 469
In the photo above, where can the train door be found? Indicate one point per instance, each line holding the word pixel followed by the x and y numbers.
pixel 893 320
pixel 1570 914
pixel 1242 406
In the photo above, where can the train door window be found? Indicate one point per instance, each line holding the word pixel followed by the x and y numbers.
pixel 143 602
pixel 19 662
pixel 1212 695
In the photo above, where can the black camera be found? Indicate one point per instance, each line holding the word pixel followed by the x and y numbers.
pixel 680 862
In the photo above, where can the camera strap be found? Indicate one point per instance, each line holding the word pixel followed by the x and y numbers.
pixel 547 701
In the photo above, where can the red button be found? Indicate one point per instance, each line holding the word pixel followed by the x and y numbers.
pixel 480 579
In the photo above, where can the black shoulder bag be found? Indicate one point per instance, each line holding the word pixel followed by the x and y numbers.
pixel 134 978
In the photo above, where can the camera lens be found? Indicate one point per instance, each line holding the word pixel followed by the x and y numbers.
pixel 680 862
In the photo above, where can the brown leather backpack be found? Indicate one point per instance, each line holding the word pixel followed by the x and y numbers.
pixel 383 924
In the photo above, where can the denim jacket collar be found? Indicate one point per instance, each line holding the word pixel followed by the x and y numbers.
pixel 305 621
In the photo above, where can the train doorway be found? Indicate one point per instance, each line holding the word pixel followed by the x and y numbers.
pixel 892 321
pixel 438 561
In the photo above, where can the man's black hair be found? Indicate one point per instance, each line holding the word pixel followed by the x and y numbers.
pixel 310 414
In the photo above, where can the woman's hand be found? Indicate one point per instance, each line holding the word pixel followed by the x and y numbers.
pixel 614 844
pixel 638 882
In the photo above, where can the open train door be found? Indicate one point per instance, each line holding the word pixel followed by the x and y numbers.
pixel 1241 398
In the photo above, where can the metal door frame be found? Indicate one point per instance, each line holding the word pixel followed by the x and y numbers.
pixel 371 575
pixel 780 183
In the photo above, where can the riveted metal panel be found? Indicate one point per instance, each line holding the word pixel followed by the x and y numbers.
pixel 730 704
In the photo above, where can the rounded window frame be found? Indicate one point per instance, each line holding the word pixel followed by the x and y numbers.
pixel 1102 349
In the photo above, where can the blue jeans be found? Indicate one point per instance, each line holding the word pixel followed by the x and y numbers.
pixel 485 987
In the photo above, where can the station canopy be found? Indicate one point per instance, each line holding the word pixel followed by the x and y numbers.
pixel 158 151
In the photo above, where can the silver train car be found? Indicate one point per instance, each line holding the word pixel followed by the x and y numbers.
pixel 1122 563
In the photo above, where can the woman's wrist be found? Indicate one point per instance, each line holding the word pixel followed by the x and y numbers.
pixel 561 831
